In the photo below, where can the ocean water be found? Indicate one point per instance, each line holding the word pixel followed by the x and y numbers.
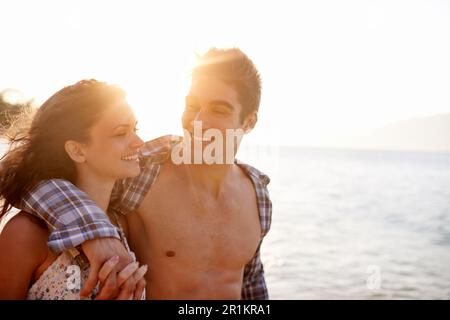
pixel 356 224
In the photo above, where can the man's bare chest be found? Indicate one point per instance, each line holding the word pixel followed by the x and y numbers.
pixel 185 226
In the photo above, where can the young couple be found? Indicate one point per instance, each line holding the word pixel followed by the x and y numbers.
pixel 92 193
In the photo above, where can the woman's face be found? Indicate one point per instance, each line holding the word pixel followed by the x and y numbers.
pixel 112 151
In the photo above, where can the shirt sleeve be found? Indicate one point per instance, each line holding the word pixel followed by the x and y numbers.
pixel 254 284
pixel 71 216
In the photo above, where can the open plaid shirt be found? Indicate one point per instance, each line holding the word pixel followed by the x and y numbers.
pixel 74 218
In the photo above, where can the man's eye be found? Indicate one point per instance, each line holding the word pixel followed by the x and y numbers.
pixel 220 111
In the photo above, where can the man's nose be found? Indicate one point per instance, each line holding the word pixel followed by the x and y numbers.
pixel 201 117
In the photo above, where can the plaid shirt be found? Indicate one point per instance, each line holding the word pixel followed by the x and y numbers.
pixel 74 218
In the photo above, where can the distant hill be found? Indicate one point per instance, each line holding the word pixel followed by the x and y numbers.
pixel 418 134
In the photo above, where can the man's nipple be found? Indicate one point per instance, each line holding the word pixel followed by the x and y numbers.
pixel 170 253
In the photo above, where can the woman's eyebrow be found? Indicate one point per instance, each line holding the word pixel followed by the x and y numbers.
pixel 121 125
pixel 125 125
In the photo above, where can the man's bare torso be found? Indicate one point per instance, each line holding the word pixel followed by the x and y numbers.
pixel 195 244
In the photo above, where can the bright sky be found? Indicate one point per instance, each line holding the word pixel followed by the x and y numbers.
pixel 329 68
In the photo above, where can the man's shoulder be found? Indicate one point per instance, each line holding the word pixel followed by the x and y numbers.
pixel 260 181
pixel 253 173
pixel 161 144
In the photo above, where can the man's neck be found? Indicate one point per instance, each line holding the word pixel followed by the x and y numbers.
pixel 209 178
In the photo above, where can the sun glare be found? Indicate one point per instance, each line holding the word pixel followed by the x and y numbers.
pixel 328 70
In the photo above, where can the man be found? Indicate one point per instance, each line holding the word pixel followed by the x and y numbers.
pixel 197 223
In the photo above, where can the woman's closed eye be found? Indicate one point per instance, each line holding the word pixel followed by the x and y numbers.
pixel 123 133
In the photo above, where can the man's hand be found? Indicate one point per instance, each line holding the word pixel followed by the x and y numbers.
pixel 98 252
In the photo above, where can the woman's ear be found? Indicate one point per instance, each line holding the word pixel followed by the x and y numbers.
pixel 75 151
pixel 250 122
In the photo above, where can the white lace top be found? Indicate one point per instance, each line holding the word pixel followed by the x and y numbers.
pixel 65 277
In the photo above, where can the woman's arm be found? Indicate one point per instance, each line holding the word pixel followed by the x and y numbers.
pixel 23 248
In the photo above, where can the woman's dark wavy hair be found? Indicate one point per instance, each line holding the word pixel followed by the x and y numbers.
pixel 36 143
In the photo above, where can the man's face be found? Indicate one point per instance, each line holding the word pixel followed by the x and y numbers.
pixel 214 103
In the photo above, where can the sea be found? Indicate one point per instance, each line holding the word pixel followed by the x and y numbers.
pixel 356 224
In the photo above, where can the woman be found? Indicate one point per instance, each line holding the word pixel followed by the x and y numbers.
pixel 86 134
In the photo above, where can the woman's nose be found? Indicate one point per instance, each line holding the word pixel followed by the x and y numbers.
pixel 137 141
